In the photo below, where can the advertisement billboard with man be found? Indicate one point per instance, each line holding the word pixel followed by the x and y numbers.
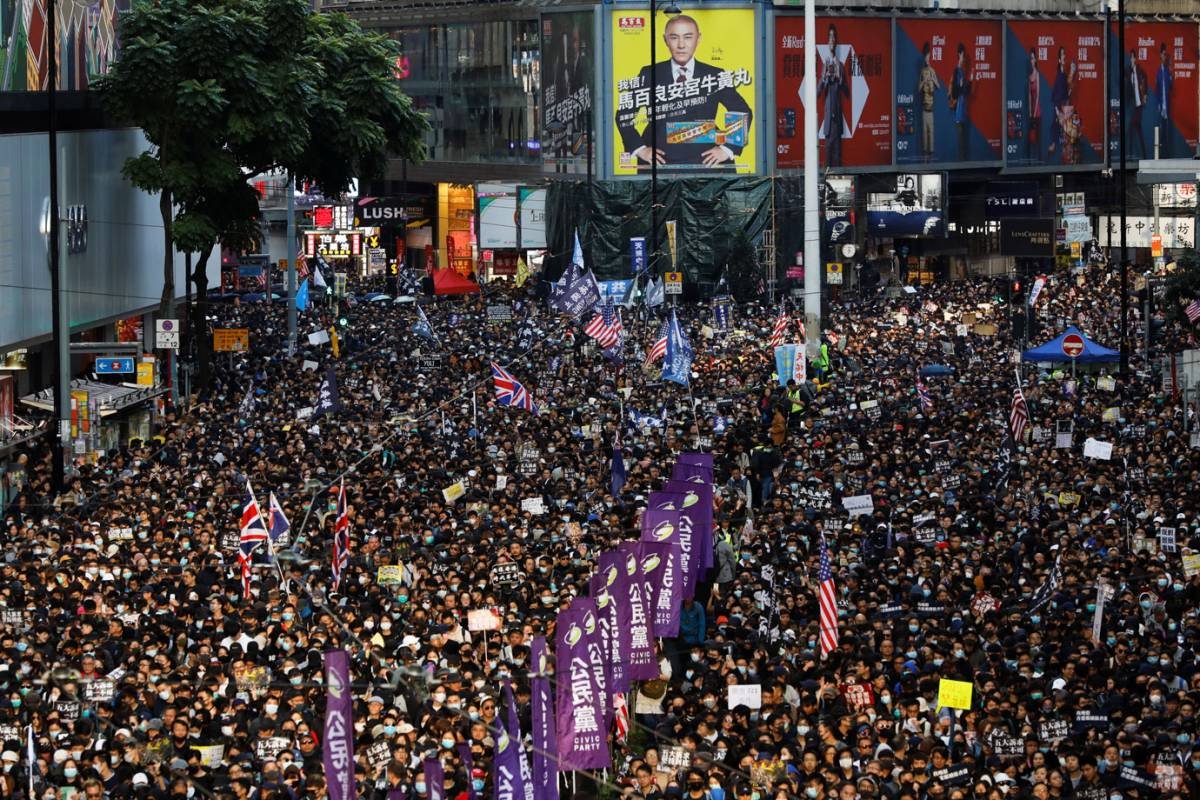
pixel 854 104
pixel 706 84
pixel 1054 108
pixel 1161 90
pixel 949 91
pixel 567 87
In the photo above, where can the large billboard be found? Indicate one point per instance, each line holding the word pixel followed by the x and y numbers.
pixel 568 78
pixel 1054 108
pixel 704 81
pixel 1161 89
pixel 854 92
pixel 916 208
pixel 497 215
pixel 949 91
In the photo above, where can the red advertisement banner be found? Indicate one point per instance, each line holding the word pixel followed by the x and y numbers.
pixel 854 102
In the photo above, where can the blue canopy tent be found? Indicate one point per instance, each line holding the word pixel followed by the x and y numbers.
pixel 1053 352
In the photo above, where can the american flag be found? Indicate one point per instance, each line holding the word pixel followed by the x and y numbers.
pixel 1018 417
pixel 1193 310
pixel 605 327
pixel 780 331
pixel 620 717
pixel 341 536
pixel 827 600
pixel 254 533
pixel 510 391
pixel 923 394
pixel 659 348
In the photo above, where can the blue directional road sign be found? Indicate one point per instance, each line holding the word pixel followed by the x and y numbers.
pixel 114 366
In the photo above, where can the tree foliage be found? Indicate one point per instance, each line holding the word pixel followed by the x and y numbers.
pixel 1183 285
pixel 228 89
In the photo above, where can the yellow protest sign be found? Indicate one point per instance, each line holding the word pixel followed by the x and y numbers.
pixel 955 694
pixel 390 574
pixel 454 491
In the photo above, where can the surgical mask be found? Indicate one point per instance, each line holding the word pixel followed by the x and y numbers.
pixel 439 697
pixel 401 598
pixel 447 744
pixel 477 784
pixel 886 699
pixel 69 773
pixel 810 792
pixel 1035 618
pixel 845 763
pixel 420 787
pixel 288 617
pixel 271 708
pixel 913 628
pixel 389 730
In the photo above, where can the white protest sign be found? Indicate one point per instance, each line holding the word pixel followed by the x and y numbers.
pixel 534 505
pixel 309 366
pixel 749 695
pixel 483 619
pixel 501 483
pixel 858 505
pixel 1094 448
pixel 318 337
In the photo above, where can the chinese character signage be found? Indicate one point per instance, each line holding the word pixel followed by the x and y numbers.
pixel 705 86
pixel 1176 232
pixel 568 75
pixel 854 104
pixel 1054 108
pixel 1161 89
pixel 333 244
pixel 1011 199
pixel 949 91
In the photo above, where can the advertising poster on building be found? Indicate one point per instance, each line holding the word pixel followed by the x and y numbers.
pixel 916 208
pixel 533 217
pixel 1054 108
pixel 706 84
pixel 497 215
pixel 1161 90
pixel 568 78
pixel 949 91
pixel 854 102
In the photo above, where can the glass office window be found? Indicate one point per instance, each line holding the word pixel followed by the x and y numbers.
pixel 480 85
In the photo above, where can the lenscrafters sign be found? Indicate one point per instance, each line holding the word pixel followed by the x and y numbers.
pixel 1033 238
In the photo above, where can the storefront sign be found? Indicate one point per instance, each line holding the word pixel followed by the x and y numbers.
pixel 1027 237
pixel 1176 232
pixel 333 244
pixel 1006 199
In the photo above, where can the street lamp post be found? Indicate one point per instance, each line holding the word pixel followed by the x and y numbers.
pixel 1121 187
pixel 59 324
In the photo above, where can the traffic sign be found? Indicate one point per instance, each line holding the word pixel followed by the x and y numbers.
pixel 673 282
pixel 1072 345
pixel 166 334
pixel 833 273
pixel 114 366
pixel 231 340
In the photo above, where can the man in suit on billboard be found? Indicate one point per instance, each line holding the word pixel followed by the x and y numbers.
pixel 700 96
pixel 832 89
pixel 1137 99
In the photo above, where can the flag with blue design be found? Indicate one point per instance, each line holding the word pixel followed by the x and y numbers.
pixel 656 293
pixel 328 401
pixel 302 296
pixel 423 328
pixel 677 363
pixel 631 294
pixel 723 314
pixel 408 283
pixel 253 534
pixel 278 527
pixel 923 395
pixel 510 391
pixel 318 277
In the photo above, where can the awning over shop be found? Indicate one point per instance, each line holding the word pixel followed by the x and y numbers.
pixel 110 397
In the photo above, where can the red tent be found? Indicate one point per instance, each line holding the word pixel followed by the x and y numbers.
pixel 448 281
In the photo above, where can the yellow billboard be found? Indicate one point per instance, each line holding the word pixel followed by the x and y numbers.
pixel 704 82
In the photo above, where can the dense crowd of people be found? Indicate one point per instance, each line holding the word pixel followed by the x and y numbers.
pixel 1058 586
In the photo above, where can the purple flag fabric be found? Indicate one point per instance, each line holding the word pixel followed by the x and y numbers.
pixel 589 611
pixel 524 787
pixel 582 743
pixel 468 762
pixel 691 472
pixel 699 459
pixel 616 660
pixel 663 520
pixel 506 766
pixel 698 508
pixel 660 572
pixel 643 662
pixel 435 779
pixel 545 748
pixel 338 733
pixel 614 579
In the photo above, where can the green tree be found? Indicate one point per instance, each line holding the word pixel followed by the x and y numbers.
pixel 228 89
pixel 1182 286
